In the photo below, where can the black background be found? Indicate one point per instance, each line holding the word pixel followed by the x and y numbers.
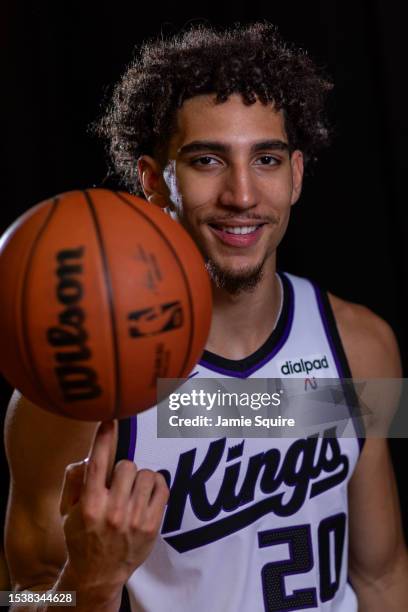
pixel 348 232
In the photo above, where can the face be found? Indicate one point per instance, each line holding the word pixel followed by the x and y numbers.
pixel 231 182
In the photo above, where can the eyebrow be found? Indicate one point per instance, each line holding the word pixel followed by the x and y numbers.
pixel 219 147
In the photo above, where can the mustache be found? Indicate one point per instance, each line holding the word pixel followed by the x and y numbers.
pixel 274 219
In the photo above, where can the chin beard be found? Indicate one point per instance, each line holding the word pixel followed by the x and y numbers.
pixel 236 282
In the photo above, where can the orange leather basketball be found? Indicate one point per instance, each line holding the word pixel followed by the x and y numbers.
pixel 101 293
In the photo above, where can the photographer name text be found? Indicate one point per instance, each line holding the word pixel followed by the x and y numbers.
pixel 242 421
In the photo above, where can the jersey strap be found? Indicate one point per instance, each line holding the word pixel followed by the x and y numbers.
pixel 332 333
pixel 343 368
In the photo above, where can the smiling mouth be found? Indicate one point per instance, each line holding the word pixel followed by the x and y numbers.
pixel 236 229
pixel 238 236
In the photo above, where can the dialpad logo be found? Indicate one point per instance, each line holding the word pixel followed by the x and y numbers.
pixel 304 365
pixel 155 320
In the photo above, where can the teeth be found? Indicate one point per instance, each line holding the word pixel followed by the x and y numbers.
pixel 240 230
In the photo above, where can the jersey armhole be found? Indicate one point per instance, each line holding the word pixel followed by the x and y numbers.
pixel 340 358
pixel 125 601
pixel 125 449
pixel 126 444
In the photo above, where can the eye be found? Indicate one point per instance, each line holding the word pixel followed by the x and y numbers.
pixel 204 160
pixel 267 160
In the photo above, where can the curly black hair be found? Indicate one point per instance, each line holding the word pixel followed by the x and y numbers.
pixel 251 60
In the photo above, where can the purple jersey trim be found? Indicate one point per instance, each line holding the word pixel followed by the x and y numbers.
pixel 327 331
pixel 132 441
pixel 275 350
pixel 340 369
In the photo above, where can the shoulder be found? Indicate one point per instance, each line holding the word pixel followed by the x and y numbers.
pixel 369 342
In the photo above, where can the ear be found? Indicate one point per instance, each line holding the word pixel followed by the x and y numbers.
pixel 151 179
pixel 297 164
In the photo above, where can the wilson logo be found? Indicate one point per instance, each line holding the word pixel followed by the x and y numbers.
pixel 304 365
pixel 76 378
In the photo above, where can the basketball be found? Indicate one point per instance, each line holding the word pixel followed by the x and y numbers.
pixel 101 294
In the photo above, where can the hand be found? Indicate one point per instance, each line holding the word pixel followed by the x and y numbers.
pixel 110 525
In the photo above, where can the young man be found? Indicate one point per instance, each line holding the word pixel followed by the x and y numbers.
pixel 217 128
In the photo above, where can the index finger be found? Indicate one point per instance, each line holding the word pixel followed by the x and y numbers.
pixel 100 459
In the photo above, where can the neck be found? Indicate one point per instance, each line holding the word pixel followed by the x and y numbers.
pixel 241 323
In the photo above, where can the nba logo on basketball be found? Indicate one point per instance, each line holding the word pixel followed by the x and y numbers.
pixel 156 319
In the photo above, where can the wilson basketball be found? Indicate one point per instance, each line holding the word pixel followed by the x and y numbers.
pixel 101 293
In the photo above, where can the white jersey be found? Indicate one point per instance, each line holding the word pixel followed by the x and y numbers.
pixel 255 524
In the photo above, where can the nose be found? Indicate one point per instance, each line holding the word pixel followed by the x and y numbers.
pixel 239 188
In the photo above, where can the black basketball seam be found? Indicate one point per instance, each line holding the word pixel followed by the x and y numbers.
pixel 36 380
pixel 166 240
pixel 108 283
